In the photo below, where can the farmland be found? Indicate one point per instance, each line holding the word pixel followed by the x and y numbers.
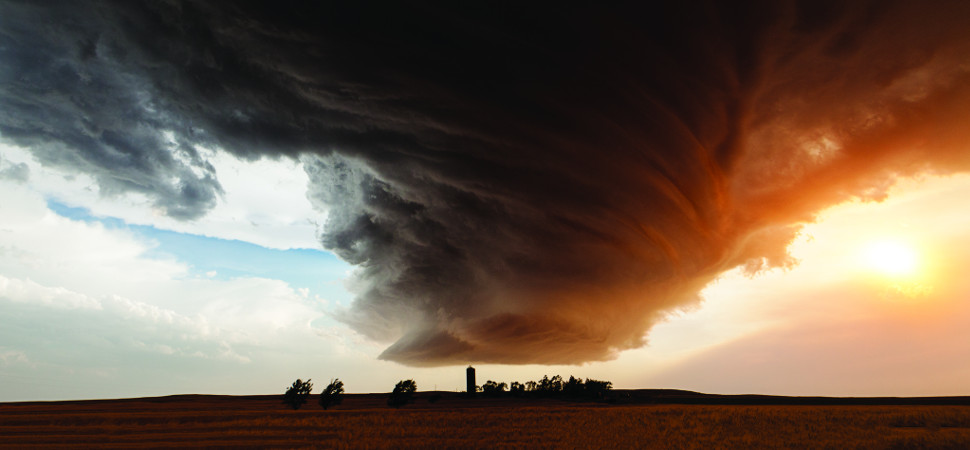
pixel 364 420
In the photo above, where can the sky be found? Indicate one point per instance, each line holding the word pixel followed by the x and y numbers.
pixel 765 198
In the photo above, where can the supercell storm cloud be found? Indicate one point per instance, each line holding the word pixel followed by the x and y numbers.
pixel 515 184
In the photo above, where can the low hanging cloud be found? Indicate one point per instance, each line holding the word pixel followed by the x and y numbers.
pixel 515 184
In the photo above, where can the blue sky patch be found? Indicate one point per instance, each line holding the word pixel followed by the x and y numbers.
pixel 318 270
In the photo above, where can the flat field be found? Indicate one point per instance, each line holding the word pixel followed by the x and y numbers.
pixel 364 421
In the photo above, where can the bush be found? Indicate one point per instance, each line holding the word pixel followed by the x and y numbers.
pixel 402 394
pixel 333 394
pixel 297 394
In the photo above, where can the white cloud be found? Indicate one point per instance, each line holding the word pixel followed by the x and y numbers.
pixel 264 202
pixel 27 291
pixel 10 357
pixel 39 245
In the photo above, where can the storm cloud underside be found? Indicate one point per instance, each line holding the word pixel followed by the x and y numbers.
pixel 515 185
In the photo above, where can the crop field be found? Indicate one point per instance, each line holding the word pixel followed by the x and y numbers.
pixel 364 421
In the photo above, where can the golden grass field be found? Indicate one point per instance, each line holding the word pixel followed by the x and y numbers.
pixel 364 421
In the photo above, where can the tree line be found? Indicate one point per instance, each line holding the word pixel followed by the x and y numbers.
pixel 551 387
pixel 574 388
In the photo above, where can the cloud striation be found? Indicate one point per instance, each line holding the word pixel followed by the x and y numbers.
pixel 516 184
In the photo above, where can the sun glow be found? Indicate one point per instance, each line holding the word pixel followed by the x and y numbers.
pixel 891 258
pixel 898 267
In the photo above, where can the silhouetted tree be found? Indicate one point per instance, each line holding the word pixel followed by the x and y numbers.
pixel 531 386
pixel 555 384
pixel 596 389
pixel 402 394
pixel 333 394
pixel 548 387
pixel 517 389
pixel 493 389
pixel 296 395
pixel 573 388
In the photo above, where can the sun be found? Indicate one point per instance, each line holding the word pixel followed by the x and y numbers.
pixel 891 258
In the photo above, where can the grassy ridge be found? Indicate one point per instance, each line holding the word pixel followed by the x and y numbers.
pixel 363 421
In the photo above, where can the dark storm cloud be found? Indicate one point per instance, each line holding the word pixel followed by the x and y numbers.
pixel 74 93
pixel 515 184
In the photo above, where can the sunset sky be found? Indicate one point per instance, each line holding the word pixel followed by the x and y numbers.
pixel 212 199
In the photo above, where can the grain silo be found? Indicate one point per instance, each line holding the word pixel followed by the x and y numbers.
pixel 471 387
